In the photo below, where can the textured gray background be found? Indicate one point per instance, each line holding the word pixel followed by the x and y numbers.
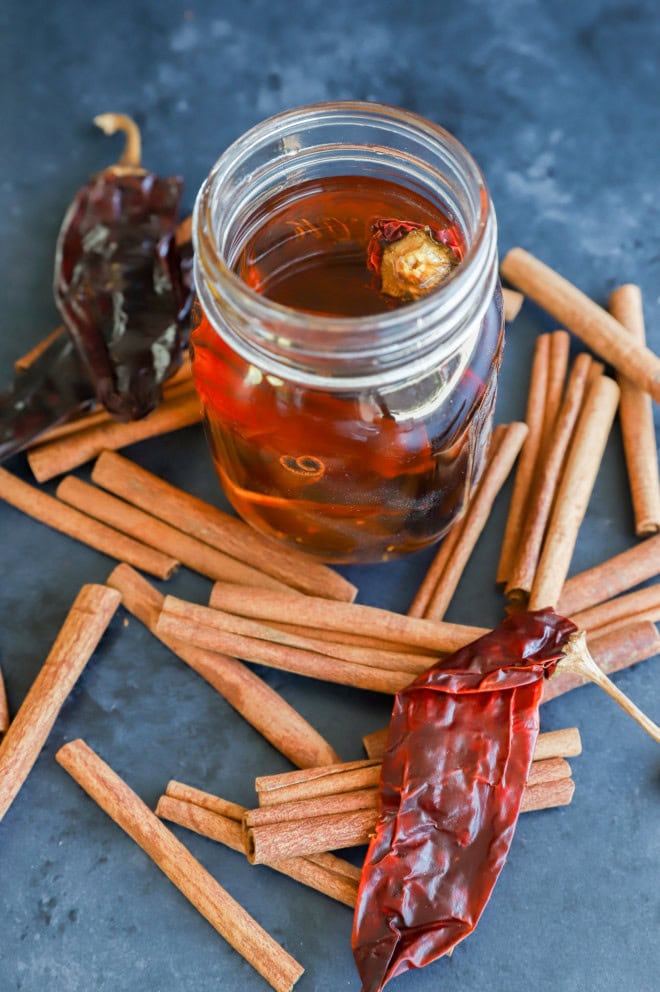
pixel 559 103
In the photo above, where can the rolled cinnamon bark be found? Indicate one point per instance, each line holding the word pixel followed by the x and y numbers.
pixel 47 510
pixel 227 916
pixel 298 838
pixel 574 491
pixel 612 652
pixel 589 322
pixel 330 879
pixel 477 514
pixel 29 358
pixel 614 613
pixel 4 708
pixel 250 696
pixel 605 581
pixel 218 529
pixel 312 783
pixel 311 611
pixel 560 346
pixel 637 427
pixel 85 624
pixel 144 527
pixel 538 385
pixel 66 453
pixel 512 304
pixel 543 490
pixel 565 743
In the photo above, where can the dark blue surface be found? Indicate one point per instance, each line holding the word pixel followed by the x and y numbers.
pixel 559 104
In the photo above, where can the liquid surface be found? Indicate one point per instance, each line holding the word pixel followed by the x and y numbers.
pixel 349 476
pixel 310 248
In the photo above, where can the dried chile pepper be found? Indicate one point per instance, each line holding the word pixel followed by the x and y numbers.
pixel 124 288
pixel 459 751
pixel 411 258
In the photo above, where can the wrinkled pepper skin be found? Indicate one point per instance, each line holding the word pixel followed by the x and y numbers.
pixel 459 751
pixel 120 286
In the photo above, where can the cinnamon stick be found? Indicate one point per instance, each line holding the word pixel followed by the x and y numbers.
pixel 574 491
pixel 311 783
pixel 613 651
pixel 589 322
pixel 220 620
pixel 29 358
pixel 66 453
pixel 227 916
pixel 637 427
pixel 254 699
pixel 613 576
pixel 543 491
pixel 4 708
pixel 560 346
pixel 435 572
pixel 228 831
pixel 614 613
pixel 538 385
pixel 361 640
pixel 299 838
pixel 281 656
pixel 512 304
pixel 477 514
pixel 49 511
pixel 144 527
pixel 311 611
pixel 218 529
pixel 85 624
pixel 565 743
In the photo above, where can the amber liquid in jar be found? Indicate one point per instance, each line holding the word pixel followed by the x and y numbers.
pixel 349 476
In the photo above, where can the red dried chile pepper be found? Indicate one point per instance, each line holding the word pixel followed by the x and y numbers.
pixel 124 288
pixel 460 747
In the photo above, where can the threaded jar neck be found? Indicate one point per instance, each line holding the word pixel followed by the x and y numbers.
pixel 339 139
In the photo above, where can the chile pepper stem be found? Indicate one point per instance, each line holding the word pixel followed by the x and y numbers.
pixel 578 661
pixel 110 123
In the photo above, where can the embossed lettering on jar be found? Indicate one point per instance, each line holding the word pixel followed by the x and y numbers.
pixel 343 418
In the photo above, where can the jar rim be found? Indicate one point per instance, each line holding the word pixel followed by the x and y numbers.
pixel 265 309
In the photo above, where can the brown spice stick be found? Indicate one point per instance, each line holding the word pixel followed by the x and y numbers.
pixel 361 640
pixel 589 322
pixel 560 346
pixel 611 577
pixel 637 426
pixel 574 491
pixel 538 384
pixel 29 358
pixel 220 530
pixel 613 613
pixel 4 708
pixel 612 652
pixel 512 304
pixel 397 661
pixel 51 512
pixel 299 838
pixel 250 696
pixel 286 659
pixel 564 743
pixel 310 783
pixel 85 624
pixel 436 570
pixel 98 416
pixel 227 916
pixel 63 455
pixel 228 831
pixel 478 512
pixel 311 611
pixel 149 530
pixel 525 560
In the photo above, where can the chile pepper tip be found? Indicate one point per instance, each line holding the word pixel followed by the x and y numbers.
pixel 131 157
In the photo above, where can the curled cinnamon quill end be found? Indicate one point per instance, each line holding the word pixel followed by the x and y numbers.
pixel 578 661
pixel 131 157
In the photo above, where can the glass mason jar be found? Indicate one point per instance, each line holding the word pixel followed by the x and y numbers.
pixel 357 438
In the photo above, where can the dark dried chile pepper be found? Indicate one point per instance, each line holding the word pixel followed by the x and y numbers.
pixel 459 751
pixel 124 290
